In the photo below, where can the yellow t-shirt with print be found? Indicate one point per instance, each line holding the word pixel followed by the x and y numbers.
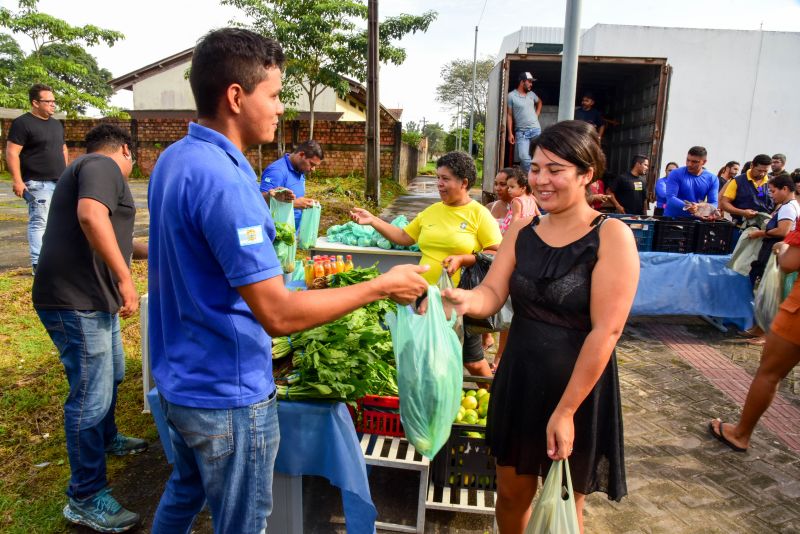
pixel 442 231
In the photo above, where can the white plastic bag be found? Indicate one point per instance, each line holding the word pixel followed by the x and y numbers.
pixel 769 293
pixel 555 511
pixel 745 253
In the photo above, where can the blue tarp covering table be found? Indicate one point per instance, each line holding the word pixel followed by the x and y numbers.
pixel 692 284
pixel 317 438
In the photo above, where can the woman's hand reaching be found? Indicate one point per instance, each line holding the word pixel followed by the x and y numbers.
pixel 361 216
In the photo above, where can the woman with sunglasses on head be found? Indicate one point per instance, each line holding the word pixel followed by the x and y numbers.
pixel 572 276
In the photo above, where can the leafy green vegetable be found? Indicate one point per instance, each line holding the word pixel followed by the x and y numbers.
pixel 345 359
pixel 284 234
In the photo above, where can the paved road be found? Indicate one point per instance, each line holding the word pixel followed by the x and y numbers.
pixel 14 224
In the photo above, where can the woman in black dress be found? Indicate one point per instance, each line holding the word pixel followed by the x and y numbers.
pixel 572 276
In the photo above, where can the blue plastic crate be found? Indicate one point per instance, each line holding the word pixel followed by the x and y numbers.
pixel 643 230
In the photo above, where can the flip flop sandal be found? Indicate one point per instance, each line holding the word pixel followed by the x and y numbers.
pixel 721 437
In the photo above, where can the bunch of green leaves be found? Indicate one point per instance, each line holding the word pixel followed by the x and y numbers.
pixel 284 234
pixel 345 359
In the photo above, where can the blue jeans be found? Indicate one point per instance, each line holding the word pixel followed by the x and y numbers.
pixel 522 138
pixel 91 351
pixel 37 214
pixel 224 457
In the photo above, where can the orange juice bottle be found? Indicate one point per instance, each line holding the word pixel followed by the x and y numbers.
pixel 309 272
pixel 340 264
pixel 348 265
pixel 326 264
pixel 319 269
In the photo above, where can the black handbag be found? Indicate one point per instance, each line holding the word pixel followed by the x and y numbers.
pixel 471 277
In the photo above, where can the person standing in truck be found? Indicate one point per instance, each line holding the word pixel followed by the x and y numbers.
pixel 586 112
pixel 523 109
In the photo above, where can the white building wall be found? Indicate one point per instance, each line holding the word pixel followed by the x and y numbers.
pixel 166 90
pixel 170 90
pixel 731 91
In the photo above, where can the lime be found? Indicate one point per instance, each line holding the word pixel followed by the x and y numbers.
pixel 482 421
pixel 473 434
pixel 482 409
pixel 481 393
pixel 469 403
pixel 470 417
pixel 459 416
pixel 471 393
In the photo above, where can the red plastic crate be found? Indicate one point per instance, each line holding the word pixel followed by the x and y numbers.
pixel 378 415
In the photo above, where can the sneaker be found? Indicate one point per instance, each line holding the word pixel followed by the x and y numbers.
pixel 100 512
pixel 122 445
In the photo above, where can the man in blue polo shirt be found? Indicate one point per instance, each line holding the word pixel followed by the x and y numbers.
pixel 692 183
pixel 217 294
pixel 289 172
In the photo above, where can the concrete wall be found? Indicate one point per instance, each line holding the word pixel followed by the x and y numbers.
pixel 731 91
pixel 166 90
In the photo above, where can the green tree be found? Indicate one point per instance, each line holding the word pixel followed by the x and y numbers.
pixel 325 40
pixel 456 87
pixel 436 136
pixel 57 59
pixel 451 140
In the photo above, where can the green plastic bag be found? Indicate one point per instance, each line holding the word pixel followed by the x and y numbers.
pixel 769 293
pixel 283 217
pixel 309 227
pixel 429 375
pixel 555 511
pixel 788 284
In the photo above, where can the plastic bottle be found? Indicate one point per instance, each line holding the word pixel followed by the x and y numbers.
pixel 319 269
pixel 309 272
pixel 348 265
pixel 340 264
pixel 326 264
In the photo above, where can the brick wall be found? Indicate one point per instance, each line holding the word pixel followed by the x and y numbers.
pixel 343 143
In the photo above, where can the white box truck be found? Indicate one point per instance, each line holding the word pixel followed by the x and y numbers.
pixel 630 91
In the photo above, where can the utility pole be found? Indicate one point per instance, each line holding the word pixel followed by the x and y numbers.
pixel 373 171
pixel 569 66
pixel 472 101
pixel 458 125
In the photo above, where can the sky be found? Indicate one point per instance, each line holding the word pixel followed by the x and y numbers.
pixel 155 29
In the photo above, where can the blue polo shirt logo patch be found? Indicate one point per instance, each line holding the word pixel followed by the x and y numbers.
pixel 252 235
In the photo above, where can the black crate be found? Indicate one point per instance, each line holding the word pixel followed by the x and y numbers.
pixel 465 462
pixel 717 237
pixel 674 235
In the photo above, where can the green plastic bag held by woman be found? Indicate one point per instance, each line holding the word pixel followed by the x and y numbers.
pixel 555 511
pixel 429 374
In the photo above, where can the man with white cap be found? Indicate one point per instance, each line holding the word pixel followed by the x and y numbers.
pixel 523 111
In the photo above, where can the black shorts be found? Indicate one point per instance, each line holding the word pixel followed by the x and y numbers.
pixel 472 351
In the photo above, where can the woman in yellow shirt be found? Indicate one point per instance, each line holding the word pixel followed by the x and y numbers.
pixel 448 234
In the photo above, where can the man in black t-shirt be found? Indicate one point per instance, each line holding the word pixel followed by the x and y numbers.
pixel 36 156
pixel 586 112
pixel 81 288
pixel 628 191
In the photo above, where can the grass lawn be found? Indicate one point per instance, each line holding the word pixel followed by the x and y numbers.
pixel 34 470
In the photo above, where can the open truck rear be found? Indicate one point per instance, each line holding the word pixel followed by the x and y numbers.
pixel 629 91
